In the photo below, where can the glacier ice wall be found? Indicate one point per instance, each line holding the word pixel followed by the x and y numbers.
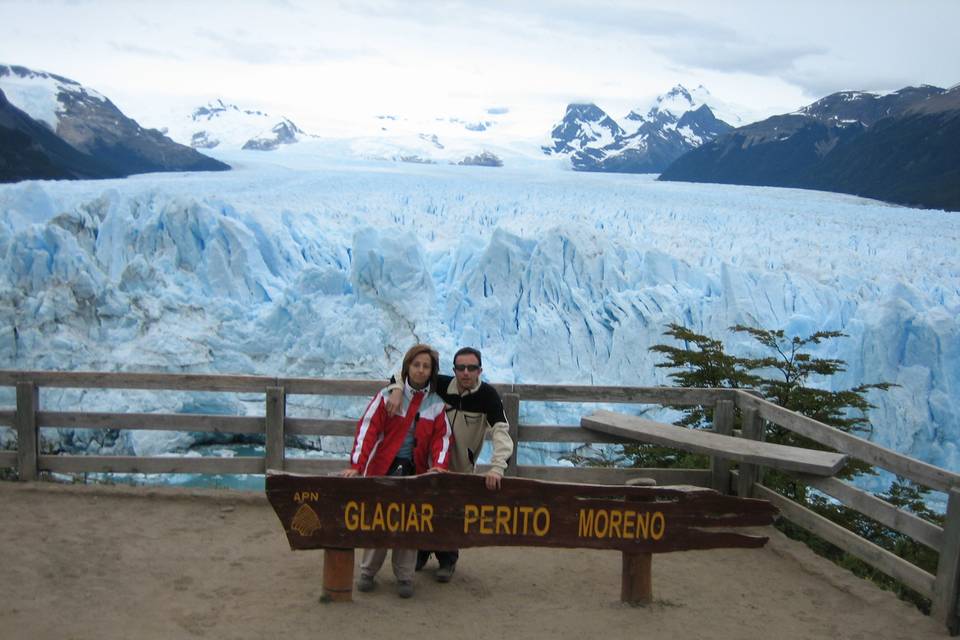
pixel 333 271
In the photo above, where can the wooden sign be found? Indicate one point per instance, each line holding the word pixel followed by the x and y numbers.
pixel 452 511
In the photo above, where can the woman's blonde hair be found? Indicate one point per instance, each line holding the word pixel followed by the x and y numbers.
pixel 416 350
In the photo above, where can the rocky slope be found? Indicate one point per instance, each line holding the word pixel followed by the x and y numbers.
pixel 902 147
pixel 110 143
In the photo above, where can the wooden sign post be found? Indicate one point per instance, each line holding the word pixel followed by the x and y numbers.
pixel 453 511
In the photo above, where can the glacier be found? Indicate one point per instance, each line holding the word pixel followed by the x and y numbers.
pixel 303 265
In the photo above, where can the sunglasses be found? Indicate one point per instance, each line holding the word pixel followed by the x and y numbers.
pixel 466 367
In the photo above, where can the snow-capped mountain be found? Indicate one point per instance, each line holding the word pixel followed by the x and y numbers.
pixel 223 125
pixel 677 122
pixel 112 145
pixel 584 126
pixel 865 107
pixel 671 106
pixel 29 150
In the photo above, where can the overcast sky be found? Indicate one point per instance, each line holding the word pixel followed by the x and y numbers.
pixel 321 59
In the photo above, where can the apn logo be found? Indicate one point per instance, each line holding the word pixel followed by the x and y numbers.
pixel 305 521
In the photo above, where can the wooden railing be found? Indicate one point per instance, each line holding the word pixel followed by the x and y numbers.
pixel 943 588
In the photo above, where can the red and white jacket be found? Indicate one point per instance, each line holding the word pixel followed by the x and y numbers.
pixel 379 436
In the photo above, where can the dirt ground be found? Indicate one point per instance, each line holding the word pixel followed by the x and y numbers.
pixel 107 562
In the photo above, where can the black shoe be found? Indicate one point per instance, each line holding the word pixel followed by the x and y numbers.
pixel 445 572
pixel 365 583
pixel 422 558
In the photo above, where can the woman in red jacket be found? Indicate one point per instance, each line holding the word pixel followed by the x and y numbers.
pixel 416 440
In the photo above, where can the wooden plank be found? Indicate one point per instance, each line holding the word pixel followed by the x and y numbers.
pixel 878 557
pixel 612 475
pixel 276 408
pixel 454 510
pixel 579 475
pixel 315 466
pixel 203 423
pixel 136 464
pixel 634 395
pixel 8 418
pixel 920 472
pixel 8 459
pixel 113 380
pixel 326 387
pixel 319 427
pixel 526 433
pixel 719 465
pixel 28 437
pixel 946 587
pixel 567 433
pixel 736 449
pixel 880 510
pixel 511 410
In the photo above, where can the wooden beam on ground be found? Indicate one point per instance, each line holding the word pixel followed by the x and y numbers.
pixel 821 463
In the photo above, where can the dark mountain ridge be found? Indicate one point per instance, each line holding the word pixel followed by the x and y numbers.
pixel 110 144
pixel 902 147
pixel 29 150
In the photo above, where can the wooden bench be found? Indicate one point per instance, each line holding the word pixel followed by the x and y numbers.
pixel 454 511
pixel 820 463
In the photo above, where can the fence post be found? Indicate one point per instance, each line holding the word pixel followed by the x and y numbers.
pixel 275 413
pixel 337 575
pixel 723 425
pixel 511 408
pixel 28 438
pixel 749 473
pixel 946 588
pixel 636 574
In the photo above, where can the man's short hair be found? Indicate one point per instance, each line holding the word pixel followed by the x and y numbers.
pixel 468 351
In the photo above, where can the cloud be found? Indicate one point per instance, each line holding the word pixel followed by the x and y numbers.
pixel 126 47
pixel 819 82
pixel 630 21
pixel 568 16
pixel 739 57
pixel 243 48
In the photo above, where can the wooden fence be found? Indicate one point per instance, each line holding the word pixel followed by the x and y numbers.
pixel 943 588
